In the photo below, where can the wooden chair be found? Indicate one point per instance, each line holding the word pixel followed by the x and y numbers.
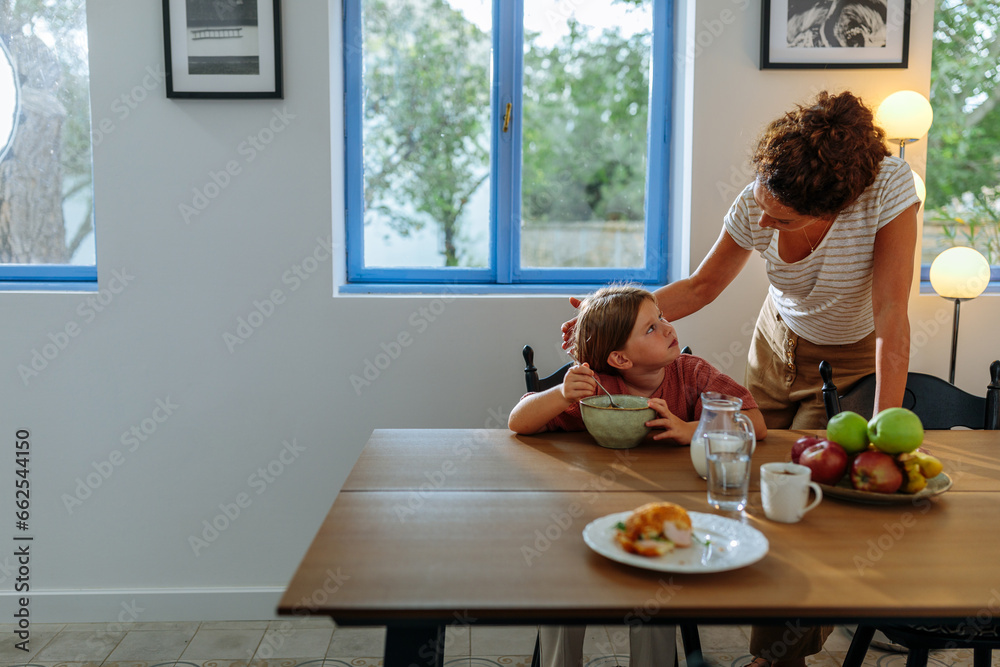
pixel 689 631
pixel 940 405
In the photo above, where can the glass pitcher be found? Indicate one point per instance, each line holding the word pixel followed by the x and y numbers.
pixel 721 419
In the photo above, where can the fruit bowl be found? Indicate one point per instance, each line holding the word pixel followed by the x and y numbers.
pixel 844 491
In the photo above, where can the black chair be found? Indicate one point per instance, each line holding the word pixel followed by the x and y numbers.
pixel 689 631
pixel 939 404
pixel 531 380
pixel 920 640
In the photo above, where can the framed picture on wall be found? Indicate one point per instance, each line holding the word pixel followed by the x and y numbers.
pixel 221 49
pixel 827 34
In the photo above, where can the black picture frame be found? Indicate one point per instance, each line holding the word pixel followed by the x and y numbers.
pixel 823 34
pixel 223 49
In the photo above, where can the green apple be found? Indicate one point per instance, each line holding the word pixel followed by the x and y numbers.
pixel 895 431
pixel 849 430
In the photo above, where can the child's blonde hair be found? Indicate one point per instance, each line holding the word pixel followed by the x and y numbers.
pixel 605 322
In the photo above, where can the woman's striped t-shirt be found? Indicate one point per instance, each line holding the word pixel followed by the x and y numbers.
pixel 826 298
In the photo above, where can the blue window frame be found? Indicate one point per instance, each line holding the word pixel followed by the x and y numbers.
pixel 47 277
pixel 961 172
pixel 47 234
pixel 504 267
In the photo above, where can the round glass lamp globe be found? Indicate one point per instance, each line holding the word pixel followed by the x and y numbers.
pixel 918 183
pixel 905 115
pixel 960 273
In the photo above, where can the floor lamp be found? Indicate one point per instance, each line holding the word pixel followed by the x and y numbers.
pixel 959 274
pixel 905 116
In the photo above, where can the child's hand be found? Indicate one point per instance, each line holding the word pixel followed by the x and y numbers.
pixel 674 428
pixel 578 383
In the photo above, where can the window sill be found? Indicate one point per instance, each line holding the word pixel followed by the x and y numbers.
pixel 433 289
pixel 47 278
pixel 46 286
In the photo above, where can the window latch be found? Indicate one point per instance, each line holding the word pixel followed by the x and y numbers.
pixel 506 118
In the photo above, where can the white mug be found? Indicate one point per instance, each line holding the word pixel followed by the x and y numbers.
pixel 784 490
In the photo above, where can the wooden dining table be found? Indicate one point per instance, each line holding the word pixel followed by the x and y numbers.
pixel 477 526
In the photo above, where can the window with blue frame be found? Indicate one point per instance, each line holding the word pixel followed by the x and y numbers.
pixel 514 143
pixel 962 206
pixel 46 194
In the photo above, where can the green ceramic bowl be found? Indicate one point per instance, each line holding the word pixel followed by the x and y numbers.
pixel 617 428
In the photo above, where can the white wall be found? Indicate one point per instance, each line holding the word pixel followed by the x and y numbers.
pixel 162 336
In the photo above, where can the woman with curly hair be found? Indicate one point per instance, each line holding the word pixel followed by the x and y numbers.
pixel 834 215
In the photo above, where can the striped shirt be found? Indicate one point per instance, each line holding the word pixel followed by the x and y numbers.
pixel 826 297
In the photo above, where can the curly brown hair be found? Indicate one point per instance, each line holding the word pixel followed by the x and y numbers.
pixel 605 322
pixel 818 159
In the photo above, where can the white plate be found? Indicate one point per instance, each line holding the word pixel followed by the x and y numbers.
pixel 843 490
pixel 731 545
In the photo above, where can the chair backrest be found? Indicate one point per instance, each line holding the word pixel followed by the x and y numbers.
pixel 939 404
pixel 531 380
pixel 533 383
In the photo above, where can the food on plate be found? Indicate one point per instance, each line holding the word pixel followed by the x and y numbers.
pixel 802 444
pixel 826 460
pixel 849 430
pixel 655 529
pixel 895 431
pixel 876 471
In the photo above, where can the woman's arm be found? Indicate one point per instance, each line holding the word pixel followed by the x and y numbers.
pixel 534 412
pixel 757 419
pixel 681 298
pixel 892 274
pixel 719 268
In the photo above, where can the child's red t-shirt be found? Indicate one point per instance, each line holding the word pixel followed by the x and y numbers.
pixel 683 383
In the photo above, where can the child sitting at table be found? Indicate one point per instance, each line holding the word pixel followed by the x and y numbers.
pixel 623 340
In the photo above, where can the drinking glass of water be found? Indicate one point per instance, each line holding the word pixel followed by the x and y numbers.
pixel 728 458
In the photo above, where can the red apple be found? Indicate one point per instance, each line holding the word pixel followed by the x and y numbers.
pixel 877 472
pixel 827 460
pixel 801 444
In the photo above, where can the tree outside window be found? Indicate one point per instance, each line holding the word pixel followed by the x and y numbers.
pixel 46 197
pixel 440 165
pixel 963 153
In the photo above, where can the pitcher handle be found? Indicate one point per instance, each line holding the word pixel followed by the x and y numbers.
pixel 747 427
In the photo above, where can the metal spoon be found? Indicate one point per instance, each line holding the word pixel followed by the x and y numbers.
pixel 610 398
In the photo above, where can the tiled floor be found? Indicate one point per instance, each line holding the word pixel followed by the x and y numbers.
pixel 317 643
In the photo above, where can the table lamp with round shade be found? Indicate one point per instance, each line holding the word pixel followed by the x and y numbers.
pixel 959 274
pixel 905 116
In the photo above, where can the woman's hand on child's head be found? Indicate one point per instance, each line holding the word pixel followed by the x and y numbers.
pixel 674 428
pixel 568 326
pixel 578 383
